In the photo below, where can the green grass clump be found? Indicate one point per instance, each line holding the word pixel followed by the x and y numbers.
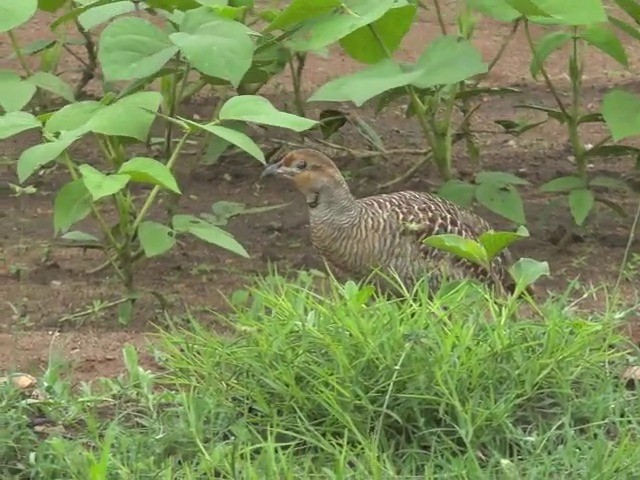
pixel 347 385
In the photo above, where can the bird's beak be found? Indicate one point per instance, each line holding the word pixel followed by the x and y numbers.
pixel 270 170
pixel 277 169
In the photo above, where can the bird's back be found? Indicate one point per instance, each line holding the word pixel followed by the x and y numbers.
pixel 387 231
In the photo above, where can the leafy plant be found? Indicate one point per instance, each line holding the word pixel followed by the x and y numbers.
pixel 489 245
pixel 577 25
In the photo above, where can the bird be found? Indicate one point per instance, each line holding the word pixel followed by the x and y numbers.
pixel 380 237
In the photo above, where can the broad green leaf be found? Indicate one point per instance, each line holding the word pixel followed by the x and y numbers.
pixel 494 242
pixel 155 238
pixel 459 246
pixel 300 10
pixel 215 46
pixel 216 146
pixel 15 93
pixel 365 84
pixel 132 48
pixel 34 158
pixel 239 139
pixel 503 200
pixel 602 36
pixel 546 46
pixel 14 13
pixel 621 112
pixel 498 9
pixel 256 109
pixel 582 12
pixel 50 5
pixel 457 191
pixel 526 272
pixel 128 117
pixel 363 44
pixel 78 236
pixel 562 184
pixel 527 8
pixel 13 123
pixel 500 178
pixel 320 32
pixel 631 7
pixel 73 116
pixel 100 185
pixel 448 60
pixel 51 83
pixel 608 182
pixel 208 232
pixel 103 13
pixel 612 151
pixel 72 204
pixel 632 31
pixel 580 204
pixel 148 170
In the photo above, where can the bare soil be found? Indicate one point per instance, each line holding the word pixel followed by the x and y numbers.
pixel 50 305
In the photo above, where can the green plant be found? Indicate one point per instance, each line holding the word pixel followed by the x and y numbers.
pixel 133 49
pixel 578 25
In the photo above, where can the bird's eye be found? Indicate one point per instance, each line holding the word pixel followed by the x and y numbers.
pixel 302 165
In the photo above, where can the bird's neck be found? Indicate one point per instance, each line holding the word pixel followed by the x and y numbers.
pixel 337 204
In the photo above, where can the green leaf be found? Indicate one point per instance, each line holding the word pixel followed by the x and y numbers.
pixel 608 182
pixel 50 5
pixel 155 238
pixel 148 170
pixel 100 185
pixel 494 242
pixel 34 158
pixel 77 236
pixel 562 184
pixel 322 31
pixel 621 112
pixel 499 178
pixel 256 109
pixel 132 48
pixel 582 12
pixel 457 191
pixel 612 151
pixel 445 61
pixel 72 204
pixel 103 13
pixel 363 45
pixel 14 13
pixel 15 93
pixel 13 123
pixel 580 203
pixel 216 146
pixel 503 200
pixel 602 36
pixel 73 116
pixel 235 137
pixel 209 233
pixel 448 60
pixel 631 7
pixel 625 27
pixel 459 246
pixel 214 45
pixel 527 8
pixel 526 272
pixel 128 117
pixel 51 83
pixel 546 46
pixel 498 9
pixel 300 10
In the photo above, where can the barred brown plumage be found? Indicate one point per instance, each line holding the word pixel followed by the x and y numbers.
pixel 384 232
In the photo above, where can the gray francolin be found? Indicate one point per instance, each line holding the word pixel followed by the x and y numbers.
pixel 384 233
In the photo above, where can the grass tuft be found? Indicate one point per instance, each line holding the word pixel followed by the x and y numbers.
pixel 348 385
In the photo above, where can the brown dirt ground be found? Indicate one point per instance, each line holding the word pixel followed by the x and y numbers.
pixel 43 284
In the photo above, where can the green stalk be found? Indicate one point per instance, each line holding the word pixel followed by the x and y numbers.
pixel 154 192
pixel 572 124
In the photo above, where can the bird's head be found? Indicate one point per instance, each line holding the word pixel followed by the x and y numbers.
pixel 312 172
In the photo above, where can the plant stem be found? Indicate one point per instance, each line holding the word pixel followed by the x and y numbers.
pixel 627 249
pixel 296 77
pixel 18 51
pixel 572 124
pixel 106 231
pixel 154 192
pixel 543 71
pixel 417 104
pixel 443 27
